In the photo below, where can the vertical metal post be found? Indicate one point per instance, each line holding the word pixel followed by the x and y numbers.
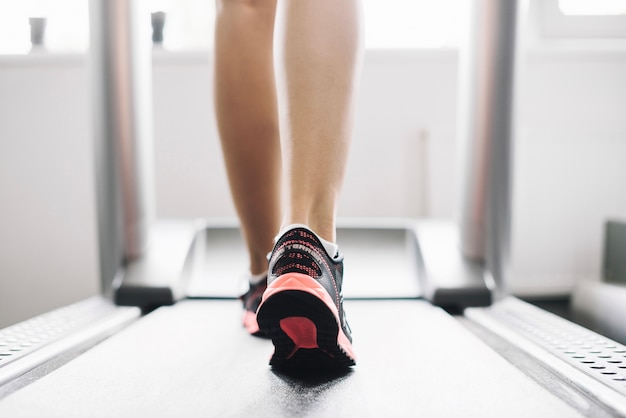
pixel 485 127
pixel 120 64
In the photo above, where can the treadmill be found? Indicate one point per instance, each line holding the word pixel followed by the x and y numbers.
pixel 442 338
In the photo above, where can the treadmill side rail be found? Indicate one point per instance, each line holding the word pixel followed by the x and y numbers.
pixel 29 344
pixel 158 277
pixel 590 362
pixel 448 278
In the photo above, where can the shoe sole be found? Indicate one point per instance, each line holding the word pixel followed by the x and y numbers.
pixel 298 314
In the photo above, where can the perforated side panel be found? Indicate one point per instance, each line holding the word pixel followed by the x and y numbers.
pixel 597 356
pixel 21 339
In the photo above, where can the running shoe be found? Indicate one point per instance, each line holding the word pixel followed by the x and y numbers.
pixel 302 308
pixel 251 301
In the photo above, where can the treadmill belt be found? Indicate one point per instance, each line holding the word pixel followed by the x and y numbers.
pixel 194 359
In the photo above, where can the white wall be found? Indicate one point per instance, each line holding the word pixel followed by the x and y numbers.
pixel 48 246
pixel 569 151
pixel 406 104
pixel 569 169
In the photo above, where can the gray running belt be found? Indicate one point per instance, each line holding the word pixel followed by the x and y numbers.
pixel 194 359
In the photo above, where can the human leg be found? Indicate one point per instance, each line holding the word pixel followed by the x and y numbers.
pixel 246 110
pixel 302 308
pixel 320 61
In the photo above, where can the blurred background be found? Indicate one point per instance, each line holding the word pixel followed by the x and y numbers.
pixel 569 171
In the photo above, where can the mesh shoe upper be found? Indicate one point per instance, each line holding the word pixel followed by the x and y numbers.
pixel 299 250
pixel 252 298
pixel 251 301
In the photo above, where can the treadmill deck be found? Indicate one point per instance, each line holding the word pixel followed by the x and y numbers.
pixel 195 359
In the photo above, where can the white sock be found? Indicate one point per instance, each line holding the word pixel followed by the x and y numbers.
pixel 257 278
pixel 331 248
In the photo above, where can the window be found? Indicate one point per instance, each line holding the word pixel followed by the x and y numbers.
pixel 67 24
pixel 388 23
pixel 188 23
pixel 188 26
pixel 414 23
pixel 593 8
pixel 602 19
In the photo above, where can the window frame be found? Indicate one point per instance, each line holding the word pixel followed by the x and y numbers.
pixel 555 24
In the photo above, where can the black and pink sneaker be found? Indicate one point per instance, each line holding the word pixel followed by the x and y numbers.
pixel 251 301
pixel 302 308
